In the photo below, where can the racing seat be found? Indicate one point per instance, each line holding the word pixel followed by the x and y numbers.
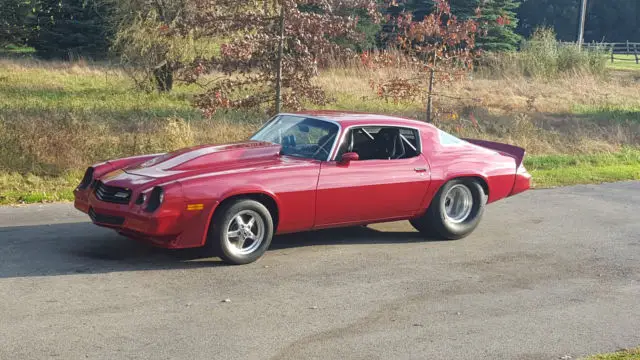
pixel 389 144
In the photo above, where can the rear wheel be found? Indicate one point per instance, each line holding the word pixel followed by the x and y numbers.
pixel 455 211
pixel 241 231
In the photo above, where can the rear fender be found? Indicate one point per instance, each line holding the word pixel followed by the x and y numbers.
pixel 515 152
pixel 522 179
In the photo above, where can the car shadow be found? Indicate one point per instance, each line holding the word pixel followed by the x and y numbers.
pixel 345 236
pixel 83 248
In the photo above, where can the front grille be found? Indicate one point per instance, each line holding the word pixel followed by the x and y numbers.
pixel 105 219
pixel 112 194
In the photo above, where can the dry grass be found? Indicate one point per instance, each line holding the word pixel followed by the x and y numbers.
pixel 57 117
pixel 575 114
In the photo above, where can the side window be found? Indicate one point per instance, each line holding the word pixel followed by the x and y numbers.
pixel 381 143
pixel 410 138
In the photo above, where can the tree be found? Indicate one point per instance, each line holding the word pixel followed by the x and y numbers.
pixel 498 19
pixel 14 21
pixel 561 15
pixel 70 28
pixel 436 49
pixel 272 50
pixel 369 27
pixel 150 51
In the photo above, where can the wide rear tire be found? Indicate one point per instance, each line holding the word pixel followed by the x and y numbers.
pixel 455 211
pixel 240 231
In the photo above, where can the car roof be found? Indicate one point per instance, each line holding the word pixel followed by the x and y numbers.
pixel 351 118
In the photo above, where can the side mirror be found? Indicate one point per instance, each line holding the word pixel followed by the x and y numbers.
pixel 349 157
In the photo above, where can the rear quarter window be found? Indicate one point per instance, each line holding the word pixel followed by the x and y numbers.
pixel 447 139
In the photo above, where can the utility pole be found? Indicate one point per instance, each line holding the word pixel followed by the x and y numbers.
pixel 583 19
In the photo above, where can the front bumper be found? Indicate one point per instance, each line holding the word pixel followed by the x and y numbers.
pixel 162 228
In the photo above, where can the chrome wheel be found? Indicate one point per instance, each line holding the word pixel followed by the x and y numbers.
pixel 245 232
pixel 458 203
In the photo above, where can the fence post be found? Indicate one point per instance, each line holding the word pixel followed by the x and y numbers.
pixel 635 52
pixel 613 48
pixel 628 48
pixel 430 94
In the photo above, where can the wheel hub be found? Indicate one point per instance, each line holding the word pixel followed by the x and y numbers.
pixel 458 203
pixel 245 232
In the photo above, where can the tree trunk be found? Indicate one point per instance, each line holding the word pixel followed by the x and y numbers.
pixel 163 76
pixel 279 63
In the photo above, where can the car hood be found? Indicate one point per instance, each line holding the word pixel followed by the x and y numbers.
pixel 207 157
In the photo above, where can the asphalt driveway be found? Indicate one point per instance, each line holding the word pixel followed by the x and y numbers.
pixel 548 273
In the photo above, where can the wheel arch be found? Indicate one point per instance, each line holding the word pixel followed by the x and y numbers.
pixel 479 178
pixel 266 199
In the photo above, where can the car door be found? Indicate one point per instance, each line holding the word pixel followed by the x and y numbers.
pixel 373 188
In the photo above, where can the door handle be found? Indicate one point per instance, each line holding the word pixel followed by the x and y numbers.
pixel 420 170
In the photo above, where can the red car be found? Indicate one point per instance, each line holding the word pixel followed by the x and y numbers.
pixel 299 172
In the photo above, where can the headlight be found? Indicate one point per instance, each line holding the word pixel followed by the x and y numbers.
pixel 141 199
pixel 86 179
pixel 155 199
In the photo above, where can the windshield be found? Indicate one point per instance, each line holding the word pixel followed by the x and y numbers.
pixel 300 136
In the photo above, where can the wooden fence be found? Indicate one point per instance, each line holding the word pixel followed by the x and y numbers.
pixel 615 50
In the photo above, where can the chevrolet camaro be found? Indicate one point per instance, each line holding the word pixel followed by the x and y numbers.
pixel 300 172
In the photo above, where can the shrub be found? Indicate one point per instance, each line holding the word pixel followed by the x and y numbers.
pixel 543 56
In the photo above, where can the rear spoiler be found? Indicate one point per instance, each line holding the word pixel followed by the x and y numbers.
pixel 514 151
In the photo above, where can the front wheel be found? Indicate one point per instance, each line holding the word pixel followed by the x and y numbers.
pixel 455 210
pixel 241 231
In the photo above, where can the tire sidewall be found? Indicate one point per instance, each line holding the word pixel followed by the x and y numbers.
pixel 459 230
pixel 221 222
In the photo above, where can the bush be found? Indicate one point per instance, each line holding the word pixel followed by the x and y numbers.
pixel 542 56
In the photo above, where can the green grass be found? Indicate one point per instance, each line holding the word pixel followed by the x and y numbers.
pixel 80 91
pixel 547 171
pixel 562 170
pixel 17 188
pixel 631 354
pixel 629 111
pixel 16 50
pixel 623 62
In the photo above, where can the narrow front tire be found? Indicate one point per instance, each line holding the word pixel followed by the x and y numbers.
pixel 241 231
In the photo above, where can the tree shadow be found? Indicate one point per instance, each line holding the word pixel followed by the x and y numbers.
pixel 83 248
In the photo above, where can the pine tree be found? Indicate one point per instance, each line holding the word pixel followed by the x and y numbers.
pixel 14 27
pixel 498 18
pixel 71 28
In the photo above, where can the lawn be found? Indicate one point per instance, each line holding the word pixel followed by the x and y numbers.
pixel 559 170
pixel 547 171
pixel 630 354
pixel 56 118
pixel 623 62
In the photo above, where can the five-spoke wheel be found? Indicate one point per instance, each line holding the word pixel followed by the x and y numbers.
pixel 240 231
pixel 245 232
